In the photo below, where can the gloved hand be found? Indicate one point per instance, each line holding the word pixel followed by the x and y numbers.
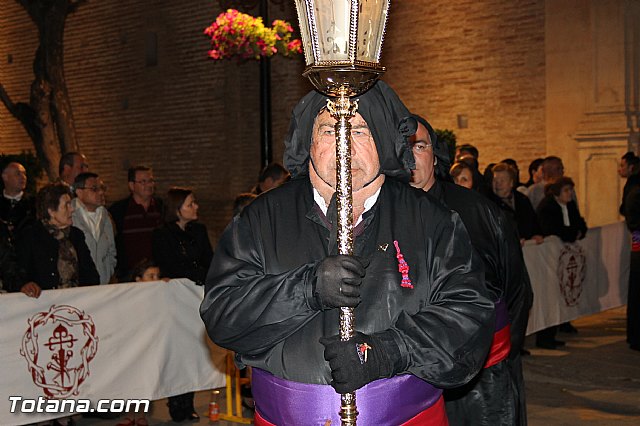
pixel 338 280
pixel 357 361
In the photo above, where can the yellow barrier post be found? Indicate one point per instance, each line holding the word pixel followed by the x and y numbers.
pixel 232 392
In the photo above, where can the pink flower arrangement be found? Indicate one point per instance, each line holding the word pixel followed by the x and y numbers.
pixel 235 34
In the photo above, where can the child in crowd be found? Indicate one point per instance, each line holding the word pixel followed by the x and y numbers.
pixel 146 271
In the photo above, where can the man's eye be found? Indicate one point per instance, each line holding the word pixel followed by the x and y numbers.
pixel 421 147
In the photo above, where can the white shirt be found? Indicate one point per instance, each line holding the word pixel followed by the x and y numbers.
pixel 565 214
pixel 93 219
pixel 368 203
pixel 17 197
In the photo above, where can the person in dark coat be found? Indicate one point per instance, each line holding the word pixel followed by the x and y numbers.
pixel 515 204
pixel 558 215
pixel 629 169
pixel 181 249
pixel 558 212
pixel 496 395
pixel 632 217
pixel 17 208
pixel 424 318
pixel 51 252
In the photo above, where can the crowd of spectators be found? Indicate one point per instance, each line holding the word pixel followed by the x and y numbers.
pixel 65 236
pixel 543 206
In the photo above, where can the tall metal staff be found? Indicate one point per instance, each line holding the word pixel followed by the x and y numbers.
pixel 342 42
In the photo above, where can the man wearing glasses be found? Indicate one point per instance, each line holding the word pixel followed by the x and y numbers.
pixel 136 217
pixel 92 218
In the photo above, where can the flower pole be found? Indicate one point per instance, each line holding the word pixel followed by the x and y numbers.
pixel 266 154
pixel 244 37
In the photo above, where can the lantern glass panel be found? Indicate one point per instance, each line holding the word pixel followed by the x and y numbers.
pixel 307 35
pixel 332 24
pixel 371 25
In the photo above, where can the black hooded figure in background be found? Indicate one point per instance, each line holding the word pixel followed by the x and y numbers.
pixel 496 395
pixel 424 318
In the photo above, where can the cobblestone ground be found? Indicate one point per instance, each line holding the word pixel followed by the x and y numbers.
pixel 594 380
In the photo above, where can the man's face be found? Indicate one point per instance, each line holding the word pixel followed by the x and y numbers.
pixel 92 195
pixel 270 183
pixel 365 163
pixel 80 165
pixel 14 178
pixel 144 184
pixel 554 170
pixel 423 176
pixel 502 184
pixel 623 170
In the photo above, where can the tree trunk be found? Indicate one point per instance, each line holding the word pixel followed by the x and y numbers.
pixel 51 70
pixel 47 147
pixel 48 118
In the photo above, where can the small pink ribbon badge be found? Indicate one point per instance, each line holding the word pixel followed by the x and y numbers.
pixel 403 267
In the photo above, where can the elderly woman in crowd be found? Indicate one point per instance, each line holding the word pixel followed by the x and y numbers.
pixel 51 252
pixel 558 212
pixel 181 249
pixel 514 203
pixel 558 215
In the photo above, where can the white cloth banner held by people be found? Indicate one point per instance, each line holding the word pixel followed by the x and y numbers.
pixel 124 341
pixel 583 278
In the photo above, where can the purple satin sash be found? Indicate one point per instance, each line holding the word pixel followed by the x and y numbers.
pixel 382 402
pixel 635 241
pixel 502 315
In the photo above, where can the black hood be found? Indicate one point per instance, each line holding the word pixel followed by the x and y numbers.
pixel 385 115
pixel 440 150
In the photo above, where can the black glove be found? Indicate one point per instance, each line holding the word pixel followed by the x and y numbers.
pixel 359 360
pixel 337 281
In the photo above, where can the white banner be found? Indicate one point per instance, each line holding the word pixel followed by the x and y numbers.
pixel 574 280
pixel 121 341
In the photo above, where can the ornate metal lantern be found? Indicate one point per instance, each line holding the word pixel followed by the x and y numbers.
pixel 342 42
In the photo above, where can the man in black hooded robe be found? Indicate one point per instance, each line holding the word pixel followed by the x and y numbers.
pixel 496 395
pixel 424 318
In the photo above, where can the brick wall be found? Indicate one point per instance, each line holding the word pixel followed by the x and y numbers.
pixel 197 121
pixel 483 59
pixel 18 42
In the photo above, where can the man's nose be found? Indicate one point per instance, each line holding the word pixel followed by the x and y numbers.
pixel 354 151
